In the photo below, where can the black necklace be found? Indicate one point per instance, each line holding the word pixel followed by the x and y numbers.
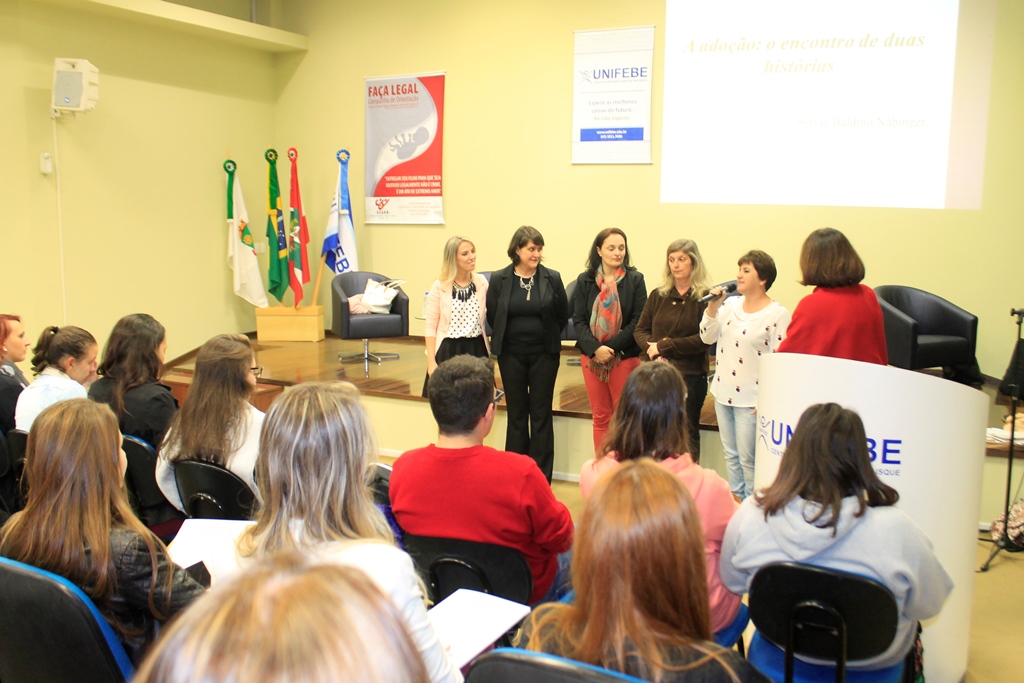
pixel 463 293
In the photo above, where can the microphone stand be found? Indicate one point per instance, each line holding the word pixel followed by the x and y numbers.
pixel 1004 542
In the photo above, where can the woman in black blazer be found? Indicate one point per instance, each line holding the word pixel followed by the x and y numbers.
pixel 527 308
pixel 605 331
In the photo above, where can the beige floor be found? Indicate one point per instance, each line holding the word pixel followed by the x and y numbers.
pixel 996 618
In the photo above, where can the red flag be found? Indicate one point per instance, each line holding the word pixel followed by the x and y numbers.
pixel 298 236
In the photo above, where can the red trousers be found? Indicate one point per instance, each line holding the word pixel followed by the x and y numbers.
pixel 604 396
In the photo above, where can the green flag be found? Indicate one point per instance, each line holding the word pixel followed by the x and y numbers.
pixel 276 237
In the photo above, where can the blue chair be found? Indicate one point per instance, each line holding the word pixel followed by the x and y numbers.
pixel 509 664
pixel 51 631
pixel 823 614
pixel 732 635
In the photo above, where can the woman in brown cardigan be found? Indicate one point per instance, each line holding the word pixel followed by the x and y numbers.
pixel 668 330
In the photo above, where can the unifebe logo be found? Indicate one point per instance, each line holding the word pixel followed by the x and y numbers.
pixel 774 434
pixel 885 454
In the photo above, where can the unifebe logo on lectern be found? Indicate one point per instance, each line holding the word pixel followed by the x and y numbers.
pixel 886 453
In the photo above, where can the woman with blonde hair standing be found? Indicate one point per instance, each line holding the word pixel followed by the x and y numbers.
pixel 342 628
pixel 669 328
pixel 456 308
pixel 316 451
pixel 638 570
pixel 77 523
pixel 216 423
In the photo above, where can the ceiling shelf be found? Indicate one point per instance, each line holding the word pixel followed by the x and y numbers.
pixel 195 22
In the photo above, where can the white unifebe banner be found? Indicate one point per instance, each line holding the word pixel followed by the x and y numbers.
pixel 611 105
pixel 926 436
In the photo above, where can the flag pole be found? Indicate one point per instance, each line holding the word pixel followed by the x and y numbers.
pixel 319 277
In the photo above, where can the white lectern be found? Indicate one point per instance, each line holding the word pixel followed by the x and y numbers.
pixel 927 437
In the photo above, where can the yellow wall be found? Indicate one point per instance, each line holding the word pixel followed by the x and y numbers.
pixel 507 144
pixel 142 188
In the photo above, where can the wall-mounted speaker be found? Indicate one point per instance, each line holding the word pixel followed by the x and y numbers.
pixel 76 85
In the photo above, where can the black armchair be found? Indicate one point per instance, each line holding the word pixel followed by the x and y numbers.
pixel 923 330
pixel 366 326
pixel 52 631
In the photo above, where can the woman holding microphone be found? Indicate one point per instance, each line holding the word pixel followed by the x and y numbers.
pixel 455 310
pixel 746 327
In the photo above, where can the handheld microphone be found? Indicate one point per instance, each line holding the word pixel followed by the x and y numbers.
pixel 727 288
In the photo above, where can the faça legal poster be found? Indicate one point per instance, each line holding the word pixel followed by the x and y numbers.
pixel 611 111
pixel 404 134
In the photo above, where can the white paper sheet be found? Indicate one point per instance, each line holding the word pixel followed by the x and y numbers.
pixel 468 621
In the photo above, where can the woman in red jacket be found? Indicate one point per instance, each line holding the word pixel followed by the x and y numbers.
pixel 841 318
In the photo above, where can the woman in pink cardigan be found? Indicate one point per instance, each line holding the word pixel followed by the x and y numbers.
pixel 650 421
pixel 455 308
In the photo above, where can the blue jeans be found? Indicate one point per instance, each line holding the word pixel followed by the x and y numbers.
pixel 737 428
pixel 563 579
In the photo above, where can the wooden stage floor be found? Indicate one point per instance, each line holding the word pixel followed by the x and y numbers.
pixel 289 363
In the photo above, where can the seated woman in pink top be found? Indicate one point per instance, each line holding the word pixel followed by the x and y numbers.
pixel 650 421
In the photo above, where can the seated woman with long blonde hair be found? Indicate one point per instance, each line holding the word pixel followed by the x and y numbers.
pixel 77 523
pixel 641 603
pixel 342 628
pixel 316 450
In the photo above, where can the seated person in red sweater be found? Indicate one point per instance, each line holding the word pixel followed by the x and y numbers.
pixel 460 488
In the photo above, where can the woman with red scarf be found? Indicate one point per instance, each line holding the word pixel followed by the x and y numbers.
pixel 609 298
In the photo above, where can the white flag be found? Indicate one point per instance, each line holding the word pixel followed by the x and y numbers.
pixel 340 236
pixel 248 283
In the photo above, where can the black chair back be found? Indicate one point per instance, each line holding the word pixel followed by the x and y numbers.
pixel 10 502
pixel 506 664
pixel 210 491
pixel 486 274
pixel 448 564
pixel 380 484
pixel 17 445
pixel 148 501
pixel 822 613
pixel 569 331
pixel 51 631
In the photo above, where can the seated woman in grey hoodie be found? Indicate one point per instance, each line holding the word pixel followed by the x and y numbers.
pixel 827 507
